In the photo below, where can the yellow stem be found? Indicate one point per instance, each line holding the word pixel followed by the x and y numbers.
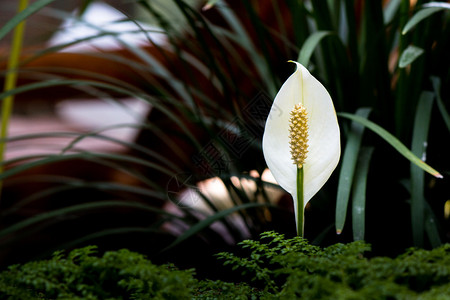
pixel 10 83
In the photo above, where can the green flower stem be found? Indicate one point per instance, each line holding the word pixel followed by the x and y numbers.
pixel 10 83
pixel 300 202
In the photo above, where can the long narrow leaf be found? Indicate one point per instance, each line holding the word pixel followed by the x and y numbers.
pixel 210 220
pixel 93 237
pixel 393 141
pixel 348 168
pixel 359 193
pixel 310 45
pixel 84 155
pixel 244 40
pixel 31 9
pixel 419 16
pixel 418 147
pixel 431 227
pixel 76 209
pixel 67 184
pixel 437 90
pixel 58 82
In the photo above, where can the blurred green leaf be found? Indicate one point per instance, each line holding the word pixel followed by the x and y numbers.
pixel 111 87
pixel 241 36
pixel 195 229
pixel 421 15
pixel 390 10
pixel 408 56
pixel 95 236
pixel 14 21
pixel 47 159
pixel 76 209
pixel 68 184
pixel 437 90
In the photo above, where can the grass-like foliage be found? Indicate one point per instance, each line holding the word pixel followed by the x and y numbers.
pixel 279 268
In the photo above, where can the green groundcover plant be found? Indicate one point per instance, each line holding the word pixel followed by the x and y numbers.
pixel 272 268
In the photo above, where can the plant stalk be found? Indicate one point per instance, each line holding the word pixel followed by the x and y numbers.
pixel 10 83
pixel 300 203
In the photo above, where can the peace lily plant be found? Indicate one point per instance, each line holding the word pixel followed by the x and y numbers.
pixel 301 141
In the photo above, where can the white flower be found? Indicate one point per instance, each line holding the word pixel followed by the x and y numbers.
pixel 303 107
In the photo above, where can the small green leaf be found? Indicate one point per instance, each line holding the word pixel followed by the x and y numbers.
pixel 391 10
pixel 410 54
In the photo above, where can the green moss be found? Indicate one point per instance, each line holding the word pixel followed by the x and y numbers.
pixel 273 268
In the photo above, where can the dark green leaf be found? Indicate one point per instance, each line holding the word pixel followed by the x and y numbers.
pixel 348 168
pixel 437 90
pixel 359 193
pixel 418 147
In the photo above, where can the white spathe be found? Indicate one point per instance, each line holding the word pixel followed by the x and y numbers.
pixel 323 135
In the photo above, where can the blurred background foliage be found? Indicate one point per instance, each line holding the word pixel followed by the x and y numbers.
pixel 191 180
